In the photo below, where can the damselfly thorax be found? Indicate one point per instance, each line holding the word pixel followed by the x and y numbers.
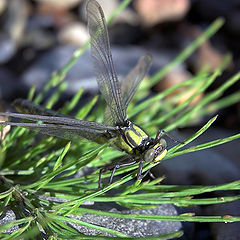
pixel 135 141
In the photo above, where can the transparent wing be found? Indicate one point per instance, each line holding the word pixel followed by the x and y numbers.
pixel 108 117
pixel 68 128
pixel 133 79
pixel 28 107
pixel 103 63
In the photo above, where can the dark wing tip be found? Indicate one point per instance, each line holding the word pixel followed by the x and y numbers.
pixel 92 4
pixel 149 57
pixel 95 9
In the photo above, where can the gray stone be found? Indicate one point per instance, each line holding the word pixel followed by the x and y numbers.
pixel 12 26
pixel 82 74
pixel 8 83
pixel 8 216
pixel 132 227
pixel 7 48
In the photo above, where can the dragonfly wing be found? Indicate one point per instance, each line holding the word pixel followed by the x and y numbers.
pixel 133 79
pixel 35 112
pixel 103 63
pixel 60 120
pixel 28 107
pixel 65 131
pixel 68 128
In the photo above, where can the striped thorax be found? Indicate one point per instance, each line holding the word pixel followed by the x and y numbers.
pixel 134 141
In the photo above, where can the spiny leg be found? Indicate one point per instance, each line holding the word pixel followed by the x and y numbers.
pixel 140 175
pixel 120 165
pixel 140 168
pixel 114 168
pixel 160 133
pixel 151 174
pixel 100 177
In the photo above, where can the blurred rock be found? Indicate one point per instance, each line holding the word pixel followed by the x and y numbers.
pixel 131 227
pixel 229 10
pixel 107 6
pixel 38 39
pixel 59 4
pixel 37 35
pixel 153 12
pixel 187 94
pixel 7 48
pixel 2 5
pixel 82 74
pixel 75 34
pixel 39 20
pixel 40 72
pixel 13 23
pixel 8 84
pixel 126 16
pixel 177 76
pixel 233 21
pixel 225 231
pixel 206 57
pixel 7 217
pixel 17 15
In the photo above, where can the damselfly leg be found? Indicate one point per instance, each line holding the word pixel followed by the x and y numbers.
pixel 161 132
pixel 113 168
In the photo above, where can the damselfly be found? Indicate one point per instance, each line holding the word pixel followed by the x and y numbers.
pixel 122 133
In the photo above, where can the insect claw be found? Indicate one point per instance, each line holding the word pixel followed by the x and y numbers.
pixel 100 177
pixel 160 133
pixel 151 175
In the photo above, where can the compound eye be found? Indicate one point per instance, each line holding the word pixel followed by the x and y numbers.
pixel 149 155
pixel 163 143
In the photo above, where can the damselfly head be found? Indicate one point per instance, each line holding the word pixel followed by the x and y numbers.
pixel 149 155
pixel 157 152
